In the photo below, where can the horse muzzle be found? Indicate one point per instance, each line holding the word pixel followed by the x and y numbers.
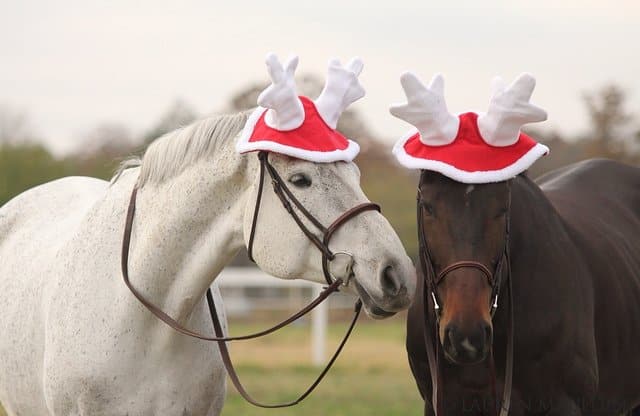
pixel 469 346
pixel 391 291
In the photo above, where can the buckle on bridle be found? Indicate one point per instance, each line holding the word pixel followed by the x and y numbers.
pixel 436 306
pixel 348 269
pixel 494 306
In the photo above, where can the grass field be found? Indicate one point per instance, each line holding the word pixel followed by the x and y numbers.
pixel 371 377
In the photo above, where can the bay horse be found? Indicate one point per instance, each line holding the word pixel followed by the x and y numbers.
pixel 73 338
pixel 574 243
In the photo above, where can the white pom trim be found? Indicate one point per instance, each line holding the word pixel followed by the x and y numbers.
pixel 243 145
pixel 464 176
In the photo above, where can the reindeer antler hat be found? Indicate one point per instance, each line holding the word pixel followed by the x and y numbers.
pixel 297 126
pixel 470 147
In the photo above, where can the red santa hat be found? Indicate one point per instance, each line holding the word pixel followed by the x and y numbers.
pixel 297 126
pixel 470 147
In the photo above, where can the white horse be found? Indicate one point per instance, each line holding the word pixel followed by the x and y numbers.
pixel 75 341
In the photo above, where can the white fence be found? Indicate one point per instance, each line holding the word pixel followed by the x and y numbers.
pixel 246 290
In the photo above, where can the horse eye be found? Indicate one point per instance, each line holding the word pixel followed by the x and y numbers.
pixel 300 180
pixel 428 208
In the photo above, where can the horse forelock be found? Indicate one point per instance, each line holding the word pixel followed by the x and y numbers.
pixel 170 154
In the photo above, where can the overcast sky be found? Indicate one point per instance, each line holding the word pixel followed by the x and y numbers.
pixel 74 64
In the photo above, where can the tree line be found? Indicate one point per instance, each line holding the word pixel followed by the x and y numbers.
pixel 613 132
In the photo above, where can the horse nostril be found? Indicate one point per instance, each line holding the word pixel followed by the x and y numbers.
pixel 449 336
pixel 480 340
pixel 449 341
pixel 390 281
pixel 488 334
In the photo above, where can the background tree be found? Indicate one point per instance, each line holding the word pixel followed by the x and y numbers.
pixel 611 134
pixel 179 114
pixel 25 165
pixel 102 149
pixel 14 126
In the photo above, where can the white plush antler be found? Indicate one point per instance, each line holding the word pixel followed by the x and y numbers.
pixel 509 110
pixel 341 89
pixel 285 109
pixel 427 110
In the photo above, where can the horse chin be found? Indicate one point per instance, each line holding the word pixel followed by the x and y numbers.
pixel 463 361
pixel 370 307
pixel 375 312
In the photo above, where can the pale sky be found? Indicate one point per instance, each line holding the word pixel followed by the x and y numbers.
pixel 74 64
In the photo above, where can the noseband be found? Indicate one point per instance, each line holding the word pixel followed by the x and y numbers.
pixel 433 280
pixel 334 283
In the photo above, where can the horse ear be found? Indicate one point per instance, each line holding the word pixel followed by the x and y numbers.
pixel 285 109
pixel 509 109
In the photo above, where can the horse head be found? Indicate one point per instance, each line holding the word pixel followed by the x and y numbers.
pixel 463 202
pixel 308 182
pixel 462 222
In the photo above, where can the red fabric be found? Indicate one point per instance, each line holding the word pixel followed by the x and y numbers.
pixel 469 152
pixel 314 134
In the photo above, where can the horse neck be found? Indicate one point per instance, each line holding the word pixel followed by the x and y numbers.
pixel 536 227
pixel 542 252
pixel 188 228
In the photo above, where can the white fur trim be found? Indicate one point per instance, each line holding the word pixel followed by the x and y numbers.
pixel 463 176
pixel 243 145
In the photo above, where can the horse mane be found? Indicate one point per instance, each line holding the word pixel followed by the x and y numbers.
pixel 170 154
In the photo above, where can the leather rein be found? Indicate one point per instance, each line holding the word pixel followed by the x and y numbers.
pixel 432 322
pixel 288 200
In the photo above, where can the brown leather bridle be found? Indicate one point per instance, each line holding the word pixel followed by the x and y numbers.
pixel 286 198
pixel 432 302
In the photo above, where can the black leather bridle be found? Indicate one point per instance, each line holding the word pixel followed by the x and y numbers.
pixel 288 200
pixel 432 323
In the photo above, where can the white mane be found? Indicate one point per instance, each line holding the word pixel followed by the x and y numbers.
pixel 173 152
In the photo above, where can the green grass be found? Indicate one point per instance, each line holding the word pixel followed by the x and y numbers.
pixel 344 391
pixel 371 377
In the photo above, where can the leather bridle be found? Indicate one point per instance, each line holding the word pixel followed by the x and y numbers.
pixel 287 199
pixel 432 302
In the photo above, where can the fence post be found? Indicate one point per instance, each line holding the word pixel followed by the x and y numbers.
pixel 319 329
